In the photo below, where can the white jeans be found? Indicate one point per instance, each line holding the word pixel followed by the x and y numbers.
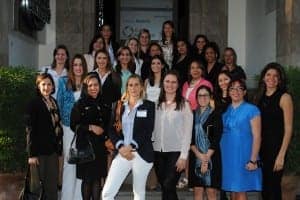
pixel 71 186
pixel 119 169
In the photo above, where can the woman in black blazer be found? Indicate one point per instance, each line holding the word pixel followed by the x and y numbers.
pixel 44 134
pixel 89 120
pixel 131 136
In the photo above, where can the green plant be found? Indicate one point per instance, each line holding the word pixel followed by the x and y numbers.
pixel 293 155
pixel 17 88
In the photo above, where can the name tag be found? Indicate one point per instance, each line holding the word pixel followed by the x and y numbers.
pixel 141 113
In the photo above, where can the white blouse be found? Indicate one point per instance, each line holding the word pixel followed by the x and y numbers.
pixel 152 92
pixel 173 129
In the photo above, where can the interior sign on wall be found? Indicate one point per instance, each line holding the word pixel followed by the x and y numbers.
pixel 138 14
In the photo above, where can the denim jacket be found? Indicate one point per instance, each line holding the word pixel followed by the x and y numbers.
pixel 65 100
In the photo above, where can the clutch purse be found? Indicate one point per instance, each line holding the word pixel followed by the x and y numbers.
pixel 79 156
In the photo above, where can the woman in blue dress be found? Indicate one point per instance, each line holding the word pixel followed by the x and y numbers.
pixel 240 144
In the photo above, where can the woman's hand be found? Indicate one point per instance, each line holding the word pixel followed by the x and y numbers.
pixel 203 157
pixel 33 161
pixel 204 167
pixel 96 129
pixel 125 151
pixel 251 166
pixel 279 163
pixel 180 164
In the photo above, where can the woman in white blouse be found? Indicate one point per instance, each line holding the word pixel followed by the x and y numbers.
pixel 172 135
pixel 134 46
pixel 153 84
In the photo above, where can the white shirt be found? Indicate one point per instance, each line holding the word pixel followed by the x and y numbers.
pixel 152 92
pixel 138 65
pixel 173 129
pixel 127 124
pixel 90 61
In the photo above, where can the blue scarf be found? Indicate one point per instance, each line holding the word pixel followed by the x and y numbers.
pixel 202 144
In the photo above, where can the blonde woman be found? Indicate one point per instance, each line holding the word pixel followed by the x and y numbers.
pixel 131 136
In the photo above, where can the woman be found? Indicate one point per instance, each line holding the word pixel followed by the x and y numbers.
pixel 144 39
pixel 110 81
pixel 154 49
pixel 59 66
pixel 195 80
pixel 221 96
pixel 182 59
pixel 154 82
pixel 276 108
pixel 240 144
pixel 111 46
pixel 199 43
pixel 168 41
pixel 89 120
pixel 132 141
pixel 134 46
pixel 172 135
pixel 69 90
pixel 125 67
pixel 205 158
pixel 44 135
pixel 229 60
pixel 96 44
pixel 213 67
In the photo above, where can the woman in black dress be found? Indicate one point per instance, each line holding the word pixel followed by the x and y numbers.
pixel 89 119
pixel 205 160
pixel 276 108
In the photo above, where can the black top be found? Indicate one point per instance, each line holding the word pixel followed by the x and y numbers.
pixel 142 131
pixel 213 127
pixel 212 76
pixel 272 125
pixel 42 139
pixel 88 111
pixel 182 67
pixel 221 104
pixel 238 73
pixel 111 89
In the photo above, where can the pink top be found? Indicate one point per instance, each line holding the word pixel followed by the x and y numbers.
pixel 192 96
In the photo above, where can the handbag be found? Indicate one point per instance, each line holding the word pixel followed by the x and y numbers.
pixel 33 187
pixel 79 156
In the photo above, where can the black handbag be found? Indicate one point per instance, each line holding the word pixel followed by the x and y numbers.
pixel 33 187
pixel 79 156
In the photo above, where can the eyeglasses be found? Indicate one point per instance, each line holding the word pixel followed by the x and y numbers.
pixel 238 89
pixel 203 95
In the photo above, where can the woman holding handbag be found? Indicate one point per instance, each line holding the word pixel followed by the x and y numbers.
pixel 69 90
pixel 44 135
pixel 89 121
pixel 131 136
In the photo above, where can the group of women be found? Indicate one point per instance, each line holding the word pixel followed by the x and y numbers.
pixel 158 104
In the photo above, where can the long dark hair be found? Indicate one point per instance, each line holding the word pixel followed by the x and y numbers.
pixel 195 49
pixel 163 35
pixel 109 65
pixel 154 44
pixel 215 48
pixel 188 48
pixel 131 64
pixel 63 47
pixel 218 93
pixel 163 70
pixel 282 82
pixel 95 38
pixel 180 101
pixel 71 85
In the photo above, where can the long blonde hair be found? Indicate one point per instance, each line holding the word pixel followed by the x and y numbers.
pixel 125 96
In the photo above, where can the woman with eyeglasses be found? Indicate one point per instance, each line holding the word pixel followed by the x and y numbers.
pixel 240 143
pixel 205 158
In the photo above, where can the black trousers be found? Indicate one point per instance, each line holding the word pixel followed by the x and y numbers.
pixel 48 171
pixel 271 183
pixel 165 168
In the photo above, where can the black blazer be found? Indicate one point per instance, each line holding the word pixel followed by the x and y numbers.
pixel 41 137
pixel 111 88
pixel 142 131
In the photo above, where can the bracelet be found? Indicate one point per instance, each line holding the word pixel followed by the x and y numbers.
pixel 252 162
